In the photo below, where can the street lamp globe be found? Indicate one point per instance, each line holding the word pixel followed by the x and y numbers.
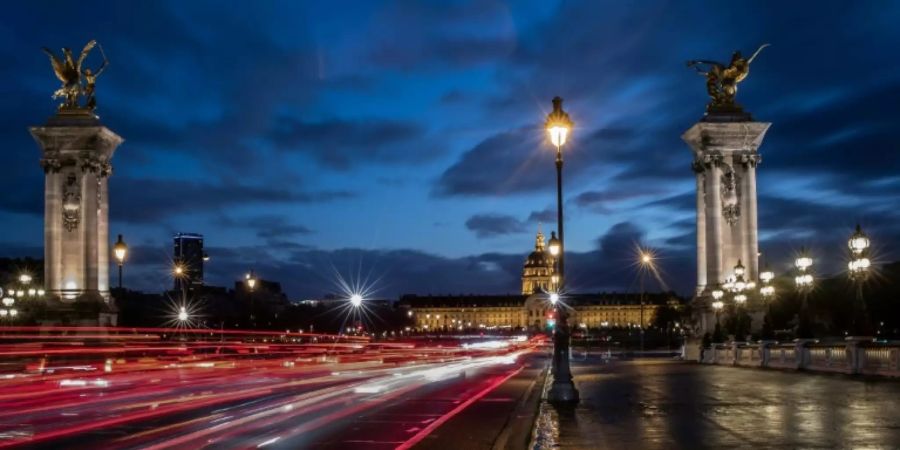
pixel 554 298
pixel 558 124
pixel 25 278
pixel 251 280
pixel 740 299
pixel 803 262
pixel 120 250
pixel 767 291
pixel 356 300
pixel 554 244
pixel 858 242
pixel 739 269
pixel 767 276
pixel 182 314
pixel 717 305
pixel 717 294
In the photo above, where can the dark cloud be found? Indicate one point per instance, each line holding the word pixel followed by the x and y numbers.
pixel 491 225
pixel 547 215
pixel 341 144
pixel 309 272
pixel 149 200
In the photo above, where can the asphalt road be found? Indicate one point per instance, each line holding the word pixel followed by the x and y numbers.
pixel 361 397
pixel 653 404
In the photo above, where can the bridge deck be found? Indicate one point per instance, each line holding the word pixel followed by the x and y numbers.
pixel 657 404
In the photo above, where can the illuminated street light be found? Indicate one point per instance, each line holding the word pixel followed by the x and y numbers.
pixel 183 314
pixel 804 282
pixel 25 279
pixel 767 291
pixel 717 307
pixel 554 298
pixel 558 126
pixel 356 300
pixel 740 299
pixel 858 269
pixel 251 280
pixel 858 242
pixel 717 294
pixel 553 245
pixel 120 250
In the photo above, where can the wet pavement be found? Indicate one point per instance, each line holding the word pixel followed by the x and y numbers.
pixel 655 404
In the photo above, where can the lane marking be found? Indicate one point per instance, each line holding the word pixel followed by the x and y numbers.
pixel 415 439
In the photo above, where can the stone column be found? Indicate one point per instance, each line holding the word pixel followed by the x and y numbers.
pixel 752 263
pixel 714 247
pixel 76 150
pixel 701 228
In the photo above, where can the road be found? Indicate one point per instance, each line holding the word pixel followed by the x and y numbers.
pixel 139 391
pixel 654 404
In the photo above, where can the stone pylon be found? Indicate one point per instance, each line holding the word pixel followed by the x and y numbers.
pixel 725 147
pixel 76 152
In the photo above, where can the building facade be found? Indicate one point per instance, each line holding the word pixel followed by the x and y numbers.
pixel 532 312
pixel 188 253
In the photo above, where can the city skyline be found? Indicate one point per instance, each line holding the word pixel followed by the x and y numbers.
pixel 298 149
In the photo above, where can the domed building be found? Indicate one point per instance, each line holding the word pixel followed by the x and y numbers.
pixel 538 268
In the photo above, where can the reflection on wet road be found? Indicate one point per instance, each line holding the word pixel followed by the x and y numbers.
pixel 657 404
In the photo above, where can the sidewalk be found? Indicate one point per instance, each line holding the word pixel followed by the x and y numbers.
pixel 666 404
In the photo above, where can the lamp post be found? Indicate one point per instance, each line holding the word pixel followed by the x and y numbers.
pixel 646 260
pixel 250 279
pixel 554 246
pixel 858 269
pixel 804 282
pixel 120 251
pixel 563 389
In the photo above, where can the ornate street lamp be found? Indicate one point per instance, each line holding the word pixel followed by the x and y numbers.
pixel 563 390
pixel 717 306
pixel 646 262
pixel 858 269
pixel 120 251
pixel 250 279
pixel 804 282
pixel 356 300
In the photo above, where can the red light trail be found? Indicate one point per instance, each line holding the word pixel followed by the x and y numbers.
pixel 97 387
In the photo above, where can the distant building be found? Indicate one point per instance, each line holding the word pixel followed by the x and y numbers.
pixel 538 268
pixel 189 255
pixel 533 312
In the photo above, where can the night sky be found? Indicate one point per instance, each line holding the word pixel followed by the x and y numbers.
pixel 403 141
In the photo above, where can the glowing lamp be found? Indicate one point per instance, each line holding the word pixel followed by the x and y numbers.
pixel 558 124
pixel 120 250
pixel 858 242
pixel 554 244
pixel 356 300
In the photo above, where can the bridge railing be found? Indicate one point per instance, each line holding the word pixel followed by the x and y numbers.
pixel 852 356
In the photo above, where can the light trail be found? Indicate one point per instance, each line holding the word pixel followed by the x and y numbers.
pixel 70 386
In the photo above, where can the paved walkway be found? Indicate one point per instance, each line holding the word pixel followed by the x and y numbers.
pixel 655 404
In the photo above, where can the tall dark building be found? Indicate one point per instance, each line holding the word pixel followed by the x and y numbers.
pixel 189 258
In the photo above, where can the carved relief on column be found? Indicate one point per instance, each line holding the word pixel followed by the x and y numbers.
pixel 71 202
pixel 731 195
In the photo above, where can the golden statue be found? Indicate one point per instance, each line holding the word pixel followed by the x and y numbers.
pixel 722 81
pixel 71 74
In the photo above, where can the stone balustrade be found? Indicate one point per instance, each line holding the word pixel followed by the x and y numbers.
pixel 854 356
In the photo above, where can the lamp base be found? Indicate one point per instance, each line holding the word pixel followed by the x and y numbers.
pixel 562 392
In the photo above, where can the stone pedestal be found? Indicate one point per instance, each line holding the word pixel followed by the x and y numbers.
pixel 725 148
pixel 76 152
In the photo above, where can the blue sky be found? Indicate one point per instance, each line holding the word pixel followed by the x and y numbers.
pixel 404 139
